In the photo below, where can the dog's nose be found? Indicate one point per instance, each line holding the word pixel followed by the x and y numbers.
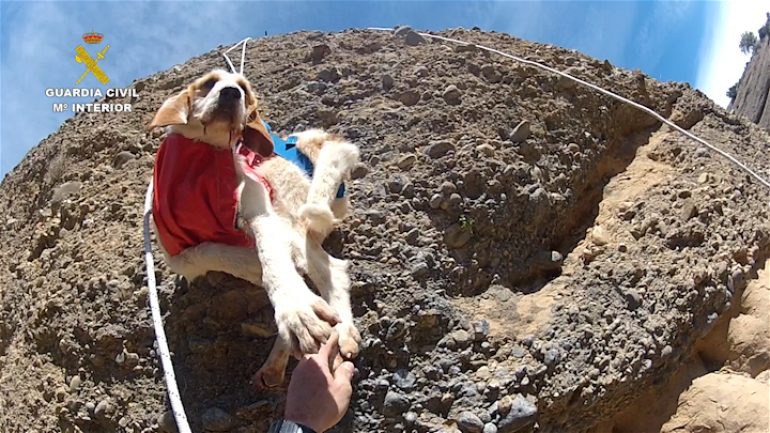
pixel 230 93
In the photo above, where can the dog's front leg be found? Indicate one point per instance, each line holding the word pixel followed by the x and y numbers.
pixel 334 161
pixel 303 318
pixel 330 276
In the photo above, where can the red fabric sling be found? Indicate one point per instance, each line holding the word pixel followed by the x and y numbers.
pixel 195 197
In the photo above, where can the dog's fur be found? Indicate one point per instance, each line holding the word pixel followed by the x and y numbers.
pixel 288 232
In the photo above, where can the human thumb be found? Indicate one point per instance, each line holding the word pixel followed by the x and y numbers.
pixel 344 373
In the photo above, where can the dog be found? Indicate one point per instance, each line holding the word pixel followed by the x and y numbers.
pixel 224 201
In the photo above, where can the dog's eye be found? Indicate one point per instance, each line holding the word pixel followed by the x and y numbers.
pixel 209 84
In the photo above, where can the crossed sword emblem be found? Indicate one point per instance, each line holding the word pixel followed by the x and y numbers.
pixel 91 66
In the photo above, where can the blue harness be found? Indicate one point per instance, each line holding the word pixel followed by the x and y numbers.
pixel 287 149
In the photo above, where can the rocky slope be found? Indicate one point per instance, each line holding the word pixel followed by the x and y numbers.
pixel 753 89
pixel 527 254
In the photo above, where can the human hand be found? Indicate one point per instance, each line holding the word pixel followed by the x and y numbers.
pixel 319 393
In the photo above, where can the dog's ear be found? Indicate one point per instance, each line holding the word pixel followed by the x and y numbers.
pixel 174 111
pixel 256 137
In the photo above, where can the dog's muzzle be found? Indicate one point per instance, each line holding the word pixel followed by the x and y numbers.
pixel 229 95
pixel 229 105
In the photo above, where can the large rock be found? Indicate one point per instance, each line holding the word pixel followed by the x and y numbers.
pixel 748 334
pixel 722 403
pixel 753 92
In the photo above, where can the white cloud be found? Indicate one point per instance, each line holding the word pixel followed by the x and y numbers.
pixel 723 62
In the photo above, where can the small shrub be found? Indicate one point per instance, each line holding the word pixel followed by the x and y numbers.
pixel 466 223
pixel 55 169
pixel 748 42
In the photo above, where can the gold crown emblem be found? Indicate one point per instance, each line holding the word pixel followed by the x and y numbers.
pixel 92 38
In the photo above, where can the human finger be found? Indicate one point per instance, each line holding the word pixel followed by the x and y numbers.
pixel 331 348
pixel 344 373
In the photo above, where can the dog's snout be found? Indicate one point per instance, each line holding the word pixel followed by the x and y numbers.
pixel 230 93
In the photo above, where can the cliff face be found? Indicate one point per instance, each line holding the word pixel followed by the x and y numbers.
pixel 515 277
pixel 752 97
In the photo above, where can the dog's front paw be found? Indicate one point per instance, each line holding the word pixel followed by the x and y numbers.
pixel 349 339
pixel 349 155
pixel 318 218
pixel 306 321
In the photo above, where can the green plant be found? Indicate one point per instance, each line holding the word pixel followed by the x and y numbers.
pixel 748 42
pixel 732 92
pixel 55 169
pixel 466 222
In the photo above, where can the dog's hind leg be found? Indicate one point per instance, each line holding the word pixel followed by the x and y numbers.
pixel 332 163
pixel 330 276
pixel 272 372
pixel 196 261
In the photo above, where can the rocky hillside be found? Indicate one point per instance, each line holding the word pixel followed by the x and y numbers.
pixel 753 89
pixel 527 254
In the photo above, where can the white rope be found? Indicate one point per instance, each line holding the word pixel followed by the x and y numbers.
pixel 232 68
pixel 243 55
pixel 157 321
pixel 641 107
pixel 177 408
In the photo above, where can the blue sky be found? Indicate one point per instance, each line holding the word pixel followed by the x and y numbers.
pixel 669 40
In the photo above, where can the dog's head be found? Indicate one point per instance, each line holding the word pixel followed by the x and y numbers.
pixel 218 108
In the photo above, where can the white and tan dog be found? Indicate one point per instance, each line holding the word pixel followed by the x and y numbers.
pixel 225 202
